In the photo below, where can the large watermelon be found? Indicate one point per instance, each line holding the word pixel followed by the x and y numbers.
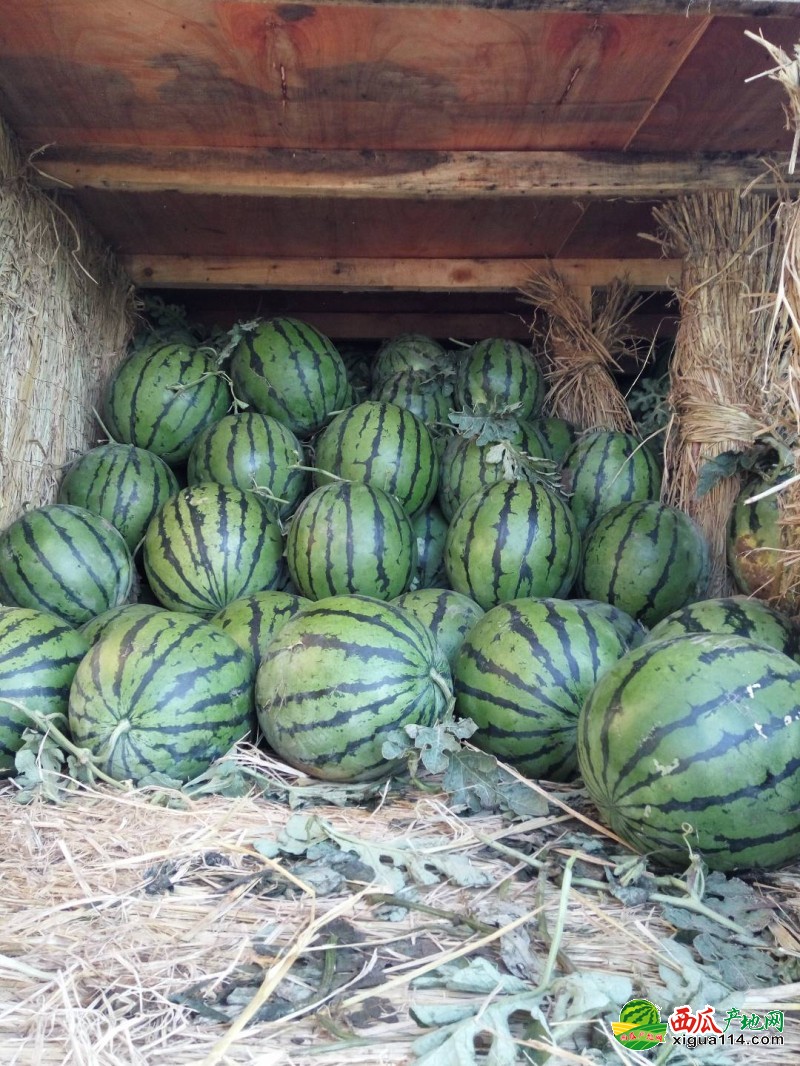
pixel 467 466
pixel 210 545
pixel 418 393
pixel 408 351
pixel 694 743
pixel 734 616
pixel 500 376
pixel 342 674
pixel 647 558
pixel 630 632
pixel 351 538
pixel 509 540
pixel 289 370
pixel 97 627
pixel 162 397
pixel 166 694
pixel 430 530
pixel 253 621
pixel 66 561
pixel 123 484
pixel 559 436
pixel 522 675
pixel 251 451
pixel 382 445
pixel 39 655
pixel 449 615
pixel 604 469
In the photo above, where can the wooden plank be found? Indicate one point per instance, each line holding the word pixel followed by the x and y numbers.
pixel 245 73
pixel 395 175
pixel 709 106
pixel 471 275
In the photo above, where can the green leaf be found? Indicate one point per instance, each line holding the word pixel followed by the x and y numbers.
pixel 433 746
pixel 484 428
pixel 476 781
pixel 455 1045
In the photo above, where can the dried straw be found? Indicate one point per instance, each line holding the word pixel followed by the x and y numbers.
pixel 135 933
pixel 64 323
pixel 718 376
pixel 583 346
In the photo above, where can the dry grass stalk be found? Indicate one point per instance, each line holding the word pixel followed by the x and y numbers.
pixel 63 324
pixel 719 381
pixel 583 349
pixel 787 73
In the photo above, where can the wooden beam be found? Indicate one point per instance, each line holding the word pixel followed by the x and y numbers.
pixel 422 275
pixel 397 174
pixel 764 8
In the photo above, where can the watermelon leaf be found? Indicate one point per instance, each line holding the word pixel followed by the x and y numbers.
pixel 477 782
pixel 430 745
pixel 484 428
pixel 454 1045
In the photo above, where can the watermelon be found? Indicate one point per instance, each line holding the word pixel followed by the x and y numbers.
pixel 449 615
pixel 408 351
pixel 500 376
pixel 630 632
pixel 509 540
pixel 759 546
pixel 415 392
pixel 646 558
pixel 694 743
pixel 163 397
pixel 733 615
pixel 430 530
pixel 558 435
pixel 467 466
pixel 97 627
pixel 382 445
pixel 166 694
pixel 253 621
pixel 211 544
pixel 352 538
pixel 291 371
pixel 341 675
pixel 39 655
pixel 251 451
pixel 66 561
pixel 121 483
pixel 604 469
pixel 522 675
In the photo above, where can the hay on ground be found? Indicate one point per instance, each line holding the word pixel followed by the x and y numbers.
pixel 64 323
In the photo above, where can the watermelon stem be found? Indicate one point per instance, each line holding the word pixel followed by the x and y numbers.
pixel 561 918
pixel 122 726
pixel 318 470
pixel 446 690
pixel 104 427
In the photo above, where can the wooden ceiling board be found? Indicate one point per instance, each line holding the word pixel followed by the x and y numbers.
pixel 172 224
pixel 609 229
pixel 245 73
pixel 709 107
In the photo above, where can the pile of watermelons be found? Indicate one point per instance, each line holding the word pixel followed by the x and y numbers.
pixel 280 544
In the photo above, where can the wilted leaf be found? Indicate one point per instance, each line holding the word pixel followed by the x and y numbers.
pixel 476 781
pixel 455 1045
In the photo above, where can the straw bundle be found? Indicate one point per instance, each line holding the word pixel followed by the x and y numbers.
pixel 719 380
pixel 583 345
pixel 63 325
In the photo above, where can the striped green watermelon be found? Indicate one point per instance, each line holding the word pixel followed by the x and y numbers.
pixel 694 743
pixel 559 436
pixel 499 376
pixel 39 655
pixel 430 530
pixel 289 370
pixel 734 616
pixel 123 484
pixel 509 540
pixel 449 615
pixel 97 627
pixel 604 469
pixel 382 445
pixel 759 547
pixel 467 466
pixel 339 677
pixel 630 632
pixel 647 558
pixel 253 621
pixel 66 561
pixel 251 451
pixel 167 694
pixel 162 397
pixel 418 393
pixel 522 675
pixel 408 351
pixel 350 538
pixel 211 544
